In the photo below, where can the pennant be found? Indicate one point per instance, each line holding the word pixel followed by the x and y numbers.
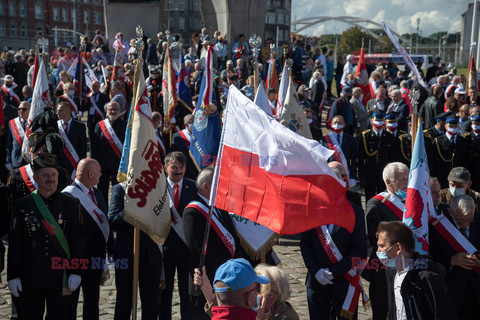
pixel 184 92
pixel 419 203
pixel 261 100
pixel 272 176
pixel 146 200
pixel 292 115
pixel 272 76
pixel 169 90
pixel 36 65
pixel 472 74
pixel 361 78
pixel 283 89
pixel 88 75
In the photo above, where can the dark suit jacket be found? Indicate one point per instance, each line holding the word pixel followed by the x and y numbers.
pixel 431 108
pixel 349 148
pixel 123 246
pixel 187 195
pixel 101 149
pixel 77 134
pixel 93 119
pixel 14 149
pixel 178 144
pixel 448 156
pixel 9 113
pixel 194 224
pixel 403 111
pixel 95 245
pixel 351 245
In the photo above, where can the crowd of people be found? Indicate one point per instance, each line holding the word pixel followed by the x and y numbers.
pixel 65 206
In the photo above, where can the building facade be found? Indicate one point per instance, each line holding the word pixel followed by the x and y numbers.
pixel 466 33
pixel 61 22
pixel 277 20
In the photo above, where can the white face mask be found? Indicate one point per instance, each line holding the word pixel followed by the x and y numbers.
pixel 337 126
pixel 452 131
pixel 309 121
pixel 378 123
pixel 113 117
pixel 190 127
pixel 476 127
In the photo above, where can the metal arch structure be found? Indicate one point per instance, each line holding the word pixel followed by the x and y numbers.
pixel 355 21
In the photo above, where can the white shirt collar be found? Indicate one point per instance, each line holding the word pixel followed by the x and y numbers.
pixel 82 187
pixel 204 199
pixel 378 132
pixel 69 122
pixel 171 184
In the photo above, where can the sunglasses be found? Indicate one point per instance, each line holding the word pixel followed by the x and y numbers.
pixel 23 109
pixel 257 289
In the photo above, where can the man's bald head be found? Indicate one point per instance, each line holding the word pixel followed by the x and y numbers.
pixel 338 168
pixel 88 172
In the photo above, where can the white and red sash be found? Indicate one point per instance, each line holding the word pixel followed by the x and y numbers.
pixel 176 220
pixel 186 136
pixel 334 145
pixel 11 93
pixel 373 88
pixel 355 285
pixel 17 130
pixel 93 210
pixel 453 236
pixel 111 137
pixel 221 231
pixel 161 147
pixel 392 203
pixel 69 150
pixel 27 175
pixel 94 109
pixel 72 104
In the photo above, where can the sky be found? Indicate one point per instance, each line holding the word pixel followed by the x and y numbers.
pixel 400 15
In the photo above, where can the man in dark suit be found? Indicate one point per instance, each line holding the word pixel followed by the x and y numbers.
pixel 467 125
pixel 96 232
pixel 385 206
pixel 175 252
pixel 316 131
pixel 380 102
pixel 107 145
pixel 69 97
pixel 97 102
pixel 375 150
pixel 473 157
pixel 326 285
pixel 15 136
pixel 342 107
pixel 463 283
pixel 432 107
pixel 400 108
pixel 348 148
pixel 9 113
pixel 181 142
pixel 150 263
pixel 36 255
pixel 439 128
pixel 222 246
pixel 74 134
pixel 450 150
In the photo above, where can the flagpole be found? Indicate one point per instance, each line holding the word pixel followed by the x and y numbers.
pixel 255 42
pixel 136 232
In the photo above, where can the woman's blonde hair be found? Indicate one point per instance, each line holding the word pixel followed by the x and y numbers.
pixel 278 281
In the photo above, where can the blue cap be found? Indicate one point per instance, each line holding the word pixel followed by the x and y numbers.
pixel 442 116
pixel 237 274
pixel 475 118
pixel 378 114
pixel 451 119
pixel 392 116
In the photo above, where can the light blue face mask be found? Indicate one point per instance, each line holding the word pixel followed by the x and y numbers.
pixel 456 191
pixel 257 305
pixel 402 194
pixel 384 259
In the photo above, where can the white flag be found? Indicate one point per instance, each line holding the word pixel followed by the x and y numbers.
pixel 146 199
pixel 292 114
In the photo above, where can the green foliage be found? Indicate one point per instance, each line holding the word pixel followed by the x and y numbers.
pixel 351 40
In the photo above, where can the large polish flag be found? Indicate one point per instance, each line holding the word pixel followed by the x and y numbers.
pixel 273 176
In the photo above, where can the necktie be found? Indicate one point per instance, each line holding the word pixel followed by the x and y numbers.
pixel 65 127
pixel 176 196
pixel 90 192
pixel 24 124
pixel 338 138
pixel 463 232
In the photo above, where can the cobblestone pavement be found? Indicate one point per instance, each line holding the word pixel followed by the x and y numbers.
pixel 288 251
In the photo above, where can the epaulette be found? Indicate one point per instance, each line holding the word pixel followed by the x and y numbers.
pixel 403 136
pixel 466 134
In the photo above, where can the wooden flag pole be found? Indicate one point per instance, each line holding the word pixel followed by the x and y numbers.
pixel 136 232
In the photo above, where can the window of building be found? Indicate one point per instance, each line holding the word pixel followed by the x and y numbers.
pixel 181 23
pixel 38 10
pixel 85 1
pixel 55 14
pixel 2 9
pixel 286 36
pixel 270 18
pixel 269 5
pixel 86 16
pixel 73 14
pixel 197 4
pixel 23 31
pixel 97 2
pixel 11 9
pixel 170 4
pixel 64 14
pixel 98 18
pixel 65 36
pixel 181 4
pixel 13 30
pixel 39 31
pixel 287 19
pixel 280 18
pixel 22 11
pixel 2 29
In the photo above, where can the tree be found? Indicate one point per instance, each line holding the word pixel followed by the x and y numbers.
pixel 351 40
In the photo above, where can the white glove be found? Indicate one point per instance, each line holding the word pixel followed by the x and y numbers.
pixel 324 276
pixel 74 281
pixel 8 166
pixel 15 286
pixel 79 114
pixel 352 183
pixel 173 120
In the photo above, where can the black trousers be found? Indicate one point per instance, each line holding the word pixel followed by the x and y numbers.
pixel 378 294
pixel 149 285
pixel 326 302
pixel 32 303
pixel 174 260
pixel 105 180
pixel 91 294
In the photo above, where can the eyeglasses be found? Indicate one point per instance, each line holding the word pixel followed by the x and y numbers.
pixel 257 289
pixel 22 109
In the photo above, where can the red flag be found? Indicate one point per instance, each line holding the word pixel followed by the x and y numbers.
pixel 272 76
pixel 35 68
pixel 273 176
pixel 472 74
pixel 362 78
